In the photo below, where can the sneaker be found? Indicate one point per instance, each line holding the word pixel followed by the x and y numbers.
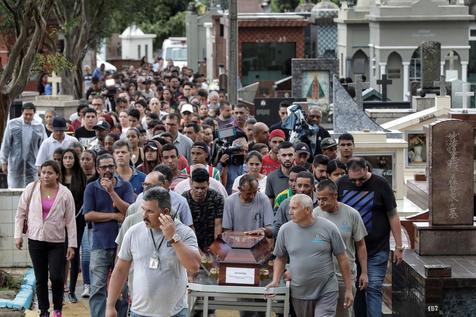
pixel 57 313
pixel 85 293
pixel 72 298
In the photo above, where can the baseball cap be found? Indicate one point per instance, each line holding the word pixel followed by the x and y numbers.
pixel 102 125
pixel 187 107
pixel 277 133
pixel 151 144
pixel 327 143
pixel 302 147
pixel 59 124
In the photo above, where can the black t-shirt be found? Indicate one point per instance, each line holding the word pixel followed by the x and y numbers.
pixel 204 215
pixel 84 136
pixel 375 202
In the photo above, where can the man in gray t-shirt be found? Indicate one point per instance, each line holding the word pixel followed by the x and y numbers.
pixel 248 210
pixel 309 243
pixel 352 229
pixel 163 251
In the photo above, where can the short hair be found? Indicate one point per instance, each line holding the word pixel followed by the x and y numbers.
pixel 98 97
pixel 254 154
pixel 320 159
pixel 28 106
pixel 304 200
pixel 285 145
pixel 223 104
pixel 133 112
pixel 200 175
pixel 104 156
pixel 297 169
pixel 247 179
pixel 306 174
pixel 165 170
pixel 335 164
pixel 170 147
pixel 356 164
pixel 284 104
pixel 196 127
pixel 327 183
pixel 153 116
pixel 173 116
pixel 121 143
pixel 347 137
pixel 240 105
pixel 81 107
pixel 159 194
pixel 259 146
pixel 59 151
pixel 90 110
pixel 250 121
pixel 76 144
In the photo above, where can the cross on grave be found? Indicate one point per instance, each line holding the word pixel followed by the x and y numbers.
pixel 442 85
pixel 384 82
pixel 359 86
pixel 465 94
pixel 55 84
pixel 452 58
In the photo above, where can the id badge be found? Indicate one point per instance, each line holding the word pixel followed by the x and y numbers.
pixel 154 263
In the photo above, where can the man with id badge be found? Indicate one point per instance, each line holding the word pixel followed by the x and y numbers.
pixel 163 250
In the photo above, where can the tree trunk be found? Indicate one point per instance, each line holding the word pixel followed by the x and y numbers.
pixel 5 102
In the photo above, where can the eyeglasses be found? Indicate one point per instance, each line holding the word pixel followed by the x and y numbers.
pixel 360 179
pixel 107 167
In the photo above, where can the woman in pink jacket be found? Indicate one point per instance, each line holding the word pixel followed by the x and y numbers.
pixel 48 208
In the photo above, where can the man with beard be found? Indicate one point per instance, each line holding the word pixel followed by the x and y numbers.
pixel 241 115
pixel 105 204
pixel 314 119
pixel 329 148
pixel 271 160
pixel 225 118
pixel 319 167
pixel 304 185
pixel 277 181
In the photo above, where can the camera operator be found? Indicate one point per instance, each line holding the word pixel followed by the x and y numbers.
pixel 231 164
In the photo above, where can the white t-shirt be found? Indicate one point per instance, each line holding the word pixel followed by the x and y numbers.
pixel 261 184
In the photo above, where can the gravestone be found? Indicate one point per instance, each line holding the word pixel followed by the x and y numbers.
pixel 359 87
pixel 384 82
pixel 450 230
pixel 450 160
pixel 466 94
pixel 266 109
pixel 441 84
pixel 430 64
pixel 456 100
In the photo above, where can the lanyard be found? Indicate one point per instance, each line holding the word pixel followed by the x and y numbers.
pixel 156 249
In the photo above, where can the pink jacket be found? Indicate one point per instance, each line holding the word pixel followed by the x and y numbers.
pixel 52 229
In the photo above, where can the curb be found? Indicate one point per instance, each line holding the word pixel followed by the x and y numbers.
pixel 24 297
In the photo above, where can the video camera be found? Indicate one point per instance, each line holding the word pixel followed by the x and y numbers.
pixel 223 145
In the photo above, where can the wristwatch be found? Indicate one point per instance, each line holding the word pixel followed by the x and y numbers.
pixel 175 238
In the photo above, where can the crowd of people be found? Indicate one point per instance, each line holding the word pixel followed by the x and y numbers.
pixel 142 174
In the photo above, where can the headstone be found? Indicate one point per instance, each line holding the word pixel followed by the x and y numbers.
pixel 384 82
pixel 466 94
pixel 430 63
pixel 359 87
pixel 442 85
pixel 267 108
pixel 456 101
pixel 450 162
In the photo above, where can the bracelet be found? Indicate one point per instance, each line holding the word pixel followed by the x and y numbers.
pixel 399 249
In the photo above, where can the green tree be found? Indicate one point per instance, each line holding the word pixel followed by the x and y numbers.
pixel 28 22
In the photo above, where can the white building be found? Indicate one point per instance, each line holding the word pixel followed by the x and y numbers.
pixel 136 44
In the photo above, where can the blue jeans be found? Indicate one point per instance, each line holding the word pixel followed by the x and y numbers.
pixel 182 313
pixel 368 303
pixel 85 255
pixel 101 264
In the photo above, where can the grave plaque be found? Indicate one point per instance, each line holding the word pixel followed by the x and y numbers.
pixel 450 163
pixel 430 63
